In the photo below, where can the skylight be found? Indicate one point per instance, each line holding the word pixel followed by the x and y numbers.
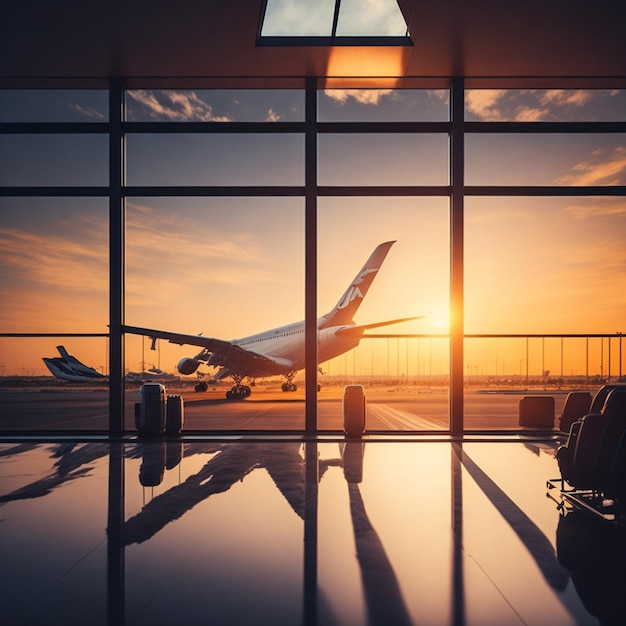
pixel 333 22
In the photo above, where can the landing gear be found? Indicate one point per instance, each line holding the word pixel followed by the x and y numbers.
pixel 238 391
pixel 201 387
pixel 289 385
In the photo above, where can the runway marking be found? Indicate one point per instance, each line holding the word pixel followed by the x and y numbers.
pixel 403 420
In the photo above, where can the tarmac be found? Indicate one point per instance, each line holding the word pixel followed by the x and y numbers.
pixel 389 408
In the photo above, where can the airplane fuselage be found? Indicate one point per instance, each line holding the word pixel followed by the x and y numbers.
pixel 286 345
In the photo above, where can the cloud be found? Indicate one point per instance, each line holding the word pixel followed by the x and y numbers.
pixel 485 103
pixel 362 96
pixel 530 105
pixel 88 111
pixel 181 106
pixel 181 256
pixel 562 97
pixel 55 282
pixel 600 169
pixel 272 116
pixel 596 208
pixel 67 263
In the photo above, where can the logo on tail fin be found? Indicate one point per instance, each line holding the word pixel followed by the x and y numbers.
pixel 353 291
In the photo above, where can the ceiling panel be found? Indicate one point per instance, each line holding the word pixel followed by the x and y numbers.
pixel 148 41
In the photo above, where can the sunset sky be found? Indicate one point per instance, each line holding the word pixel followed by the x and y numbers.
pixel 228 267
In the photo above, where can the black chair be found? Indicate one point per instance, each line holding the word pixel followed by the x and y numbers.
pixel 586 458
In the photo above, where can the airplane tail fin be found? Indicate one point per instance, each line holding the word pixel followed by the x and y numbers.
pixel 344 311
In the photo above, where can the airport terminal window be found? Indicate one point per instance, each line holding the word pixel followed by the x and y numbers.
pixel 54 255
pixel 215 105
pixel 215 159
pixel 34 400
pixel 54 105
pixel 409 159
pixel 544 265
pixel 409 358
pixel 54 160
pixel 383 105
pixel 559 271
pixel 545 105
pixel 541 253
pixel 545 159
pixel 225 267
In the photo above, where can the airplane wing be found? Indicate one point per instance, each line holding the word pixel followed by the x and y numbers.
pixel 223 353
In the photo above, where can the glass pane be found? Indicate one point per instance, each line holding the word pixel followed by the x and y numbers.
pixel 215 159
pixel 383 159
pixel 225 268
pixel 54 160
pixel 500 371
pixel 383 105
pixel 550 159
pixel 545 105
pixel 213 105
pixel 43 389
pixel 396 363
pixel 370 17
pixel 544 265
pixel 298 18
pixel 54 105
pixel 54 265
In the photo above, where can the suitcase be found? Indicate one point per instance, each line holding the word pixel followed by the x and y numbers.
pixel 175 416
pixel 354 410
pixel 536 412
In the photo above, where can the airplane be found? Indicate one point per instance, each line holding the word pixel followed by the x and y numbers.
pixel 68 367
pixel 279 351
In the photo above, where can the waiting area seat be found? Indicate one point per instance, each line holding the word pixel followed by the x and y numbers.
pixel 593 459
pixel 577 404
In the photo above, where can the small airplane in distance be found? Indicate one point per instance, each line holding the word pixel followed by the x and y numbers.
pixel 68 367
pixel 280 351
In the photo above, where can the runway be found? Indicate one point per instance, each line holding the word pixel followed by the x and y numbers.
pixel 389 408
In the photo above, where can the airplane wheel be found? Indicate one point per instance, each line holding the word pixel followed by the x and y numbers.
pixel 238 393
pixel 285 387
pixel 294 387
pixel 200 387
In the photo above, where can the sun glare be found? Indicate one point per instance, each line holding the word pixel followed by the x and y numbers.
pixel 440 321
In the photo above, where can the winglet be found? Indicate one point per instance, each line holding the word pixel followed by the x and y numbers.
pixel 345 309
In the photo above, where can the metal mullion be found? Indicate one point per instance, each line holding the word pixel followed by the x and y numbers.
pixel 377 191
pixel 457 234
pixel 69 192
pixel 117 268
pixel 213 191
pixel 539 190
pixel 310 256
pixel 213 127
pixel 545 127
pixel 50 128
pixel 383 127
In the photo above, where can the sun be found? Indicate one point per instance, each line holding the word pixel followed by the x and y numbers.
pixel 440 320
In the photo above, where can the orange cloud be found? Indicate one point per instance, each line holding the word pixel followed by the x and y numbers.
pixel 182 106
pixel 362 96
pixel 600 169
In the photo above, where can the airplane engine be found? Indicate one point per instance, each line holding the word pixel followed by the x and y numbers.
pixel 187 366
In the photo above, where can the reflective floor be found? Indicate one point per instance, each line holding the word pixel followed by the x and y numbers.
pixel 270 532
